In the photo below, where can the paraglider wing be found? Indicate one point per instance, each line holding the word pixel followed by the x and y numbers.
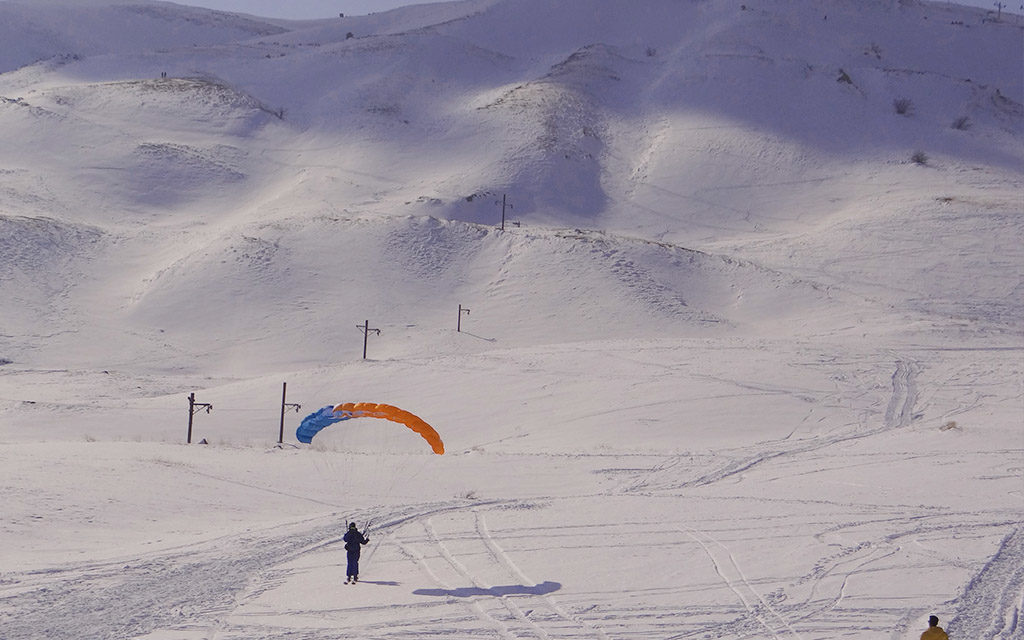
pixel 313 423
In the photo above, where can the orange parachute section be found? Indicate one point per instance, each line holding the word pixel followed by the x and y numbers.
pixel 394 414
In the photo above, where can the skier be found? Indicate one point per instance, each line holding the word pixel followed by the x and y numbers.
pixel 934 631
pixel 353 541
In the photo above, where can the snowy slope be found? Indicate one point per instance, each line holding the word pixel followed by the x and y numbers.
pixel 741 314
pixel 44 29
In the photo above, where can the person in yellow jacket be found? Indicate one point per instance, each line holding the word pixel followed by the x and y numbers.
pixel 934 631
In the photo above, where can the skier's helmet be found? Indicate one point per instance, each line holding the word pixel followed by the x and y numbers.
pixel 351 525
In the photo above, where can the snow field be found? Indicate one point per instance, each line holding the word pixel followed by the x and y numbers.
pixel 744 368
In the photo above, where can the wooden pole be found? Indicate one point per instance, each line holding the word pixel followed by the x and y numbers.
pixel 284 395
pixel 191 412
pixel 365 328
pixel 192 404
pixel 366 337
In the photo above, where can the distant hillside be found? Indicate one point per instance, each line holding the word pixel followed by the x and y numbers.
pixel 37 30
pixel 689 166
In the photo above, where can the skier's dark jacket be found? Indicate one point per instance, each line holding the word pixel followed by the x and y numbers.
pixel 352 541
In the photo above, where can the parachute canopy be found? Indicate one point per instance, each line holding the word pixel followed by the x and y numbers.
pixel 316 421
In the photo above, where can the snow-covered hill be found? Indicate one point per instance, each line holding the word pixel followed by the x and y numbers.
pixel 760 272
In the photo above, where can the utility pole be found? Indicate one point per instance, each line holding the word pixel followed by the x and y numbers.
pixel 504 205
pixel 285 405
pixel 365 328
pixel 194 406
pixel 458 327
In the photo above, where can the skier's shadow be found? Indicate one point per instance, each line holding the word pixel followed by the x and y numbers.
pixel 505 590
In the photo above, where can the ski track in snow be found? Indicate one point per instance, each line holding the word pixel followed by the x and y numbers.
pixel 990 608
pixel 129 598
pixel 194 587
pixel 734 578
pixel 899 413
pixel 477 603
pixel 589 630
pixel 992 605
pixel 525 609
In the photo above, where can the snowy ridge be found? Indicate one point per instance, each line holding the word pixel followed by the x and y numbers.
pixel 745 360
pixel 40 30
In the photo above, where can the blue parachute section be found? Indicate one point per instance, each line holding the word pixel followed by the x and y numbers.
pixel 314 422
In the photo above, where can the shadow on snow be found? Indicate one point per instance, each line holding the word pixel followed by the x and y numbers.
pixel 505 590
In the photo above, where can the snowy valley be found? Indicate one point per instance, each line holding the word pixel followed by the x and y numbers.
pixel 716 305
